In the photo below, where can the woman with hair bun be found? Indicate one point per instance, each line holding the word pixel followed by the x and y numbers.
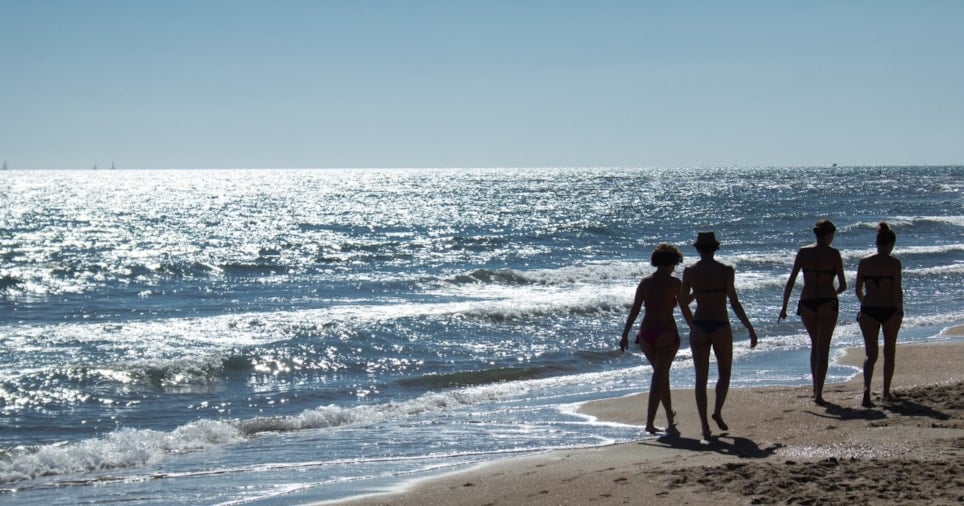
pixel 818 307
pixel 881 299
pixel 658 337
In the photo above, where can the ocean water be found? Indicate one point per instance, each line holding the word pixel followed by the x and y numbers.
pixel 292 336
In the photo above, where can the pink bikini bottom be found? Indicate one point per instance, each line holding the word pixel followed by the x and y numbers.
pixel 650 335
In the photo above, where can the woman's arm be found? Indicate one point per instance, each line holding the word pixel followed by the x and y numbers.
pixel 737 307
pixel 633 313
pixel 685 297
pixel 789 288
pixel 841 279
pixel 859 282
pixel 899 287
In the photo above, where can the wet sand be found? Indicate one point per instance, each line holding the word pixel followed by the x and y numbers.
pixel 781 448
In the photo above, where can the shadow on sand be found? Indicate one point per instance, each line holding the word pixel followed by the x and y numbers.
pixel 907 407
pixel 723 444
pixel 897 405
pixel 839 412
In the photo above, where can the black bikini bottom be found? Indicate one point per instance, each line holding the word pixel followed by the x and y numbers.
pixel 814 303
pixel 881 314
pixel 710 326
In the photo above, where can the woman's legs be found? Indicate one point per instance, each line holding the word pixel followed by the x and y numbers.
pixel 654 394
pixel 659 390
pixel 700 345
pixel 810 322
pixel 828 322
pixel 723 349
pixel 666 356
pixel 891 328
pixel 820 325
pixel 869 328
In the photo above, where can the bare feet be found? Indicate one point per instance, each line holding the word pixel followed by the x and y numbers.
pixel 820 402
pixel 719 421
pixel 653 429
pixel 867 403
pixel 671 418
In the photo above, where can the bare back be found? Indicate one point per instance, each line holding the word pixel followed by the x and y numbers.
pixel 821 265
pixel 711 283
pixel 878 281
pixel 661 293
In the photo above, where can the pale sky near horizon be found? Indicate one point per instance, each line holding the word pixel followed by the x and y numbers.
pixel 354 83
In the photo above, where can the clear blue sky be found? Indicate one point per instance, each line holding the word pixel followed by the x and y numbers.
pixel 283 83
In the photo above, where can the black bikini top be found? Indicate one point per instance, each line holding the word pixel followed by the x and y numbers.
pixel 711 290
pixel 821 271
pixel 876 279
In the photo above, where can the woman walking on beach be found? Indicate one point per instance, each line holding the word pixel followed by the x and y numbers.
pixel 818 307
pixel 658 337
pixel 710 283
pixel 881 299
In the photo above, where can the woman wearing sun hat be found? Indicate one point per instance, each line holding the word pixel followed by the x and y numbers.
pixel 710 284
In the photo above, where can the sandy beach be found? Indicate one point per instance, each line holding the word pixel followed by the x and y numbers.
pixel 780 448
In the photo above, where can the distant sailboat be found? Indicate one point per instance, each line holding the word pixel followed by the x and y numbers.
pixel 5 165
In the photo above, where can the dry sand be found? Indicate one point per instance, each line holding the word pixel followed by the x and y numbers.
pixel 781 449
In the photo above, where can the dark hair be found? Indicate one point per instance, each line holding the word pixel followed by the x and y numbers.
pixel 885 235
pixel 666 254
pixel 824 227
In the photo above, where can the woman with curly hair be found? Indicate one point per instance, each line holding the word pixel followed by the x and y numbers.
pixel 658 337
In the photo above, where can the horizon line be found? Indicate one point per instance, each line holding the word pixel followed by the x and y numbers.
pixel 511 167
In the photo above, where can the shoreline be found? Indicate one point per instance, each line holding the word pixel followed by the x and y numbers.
pixel 785 449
